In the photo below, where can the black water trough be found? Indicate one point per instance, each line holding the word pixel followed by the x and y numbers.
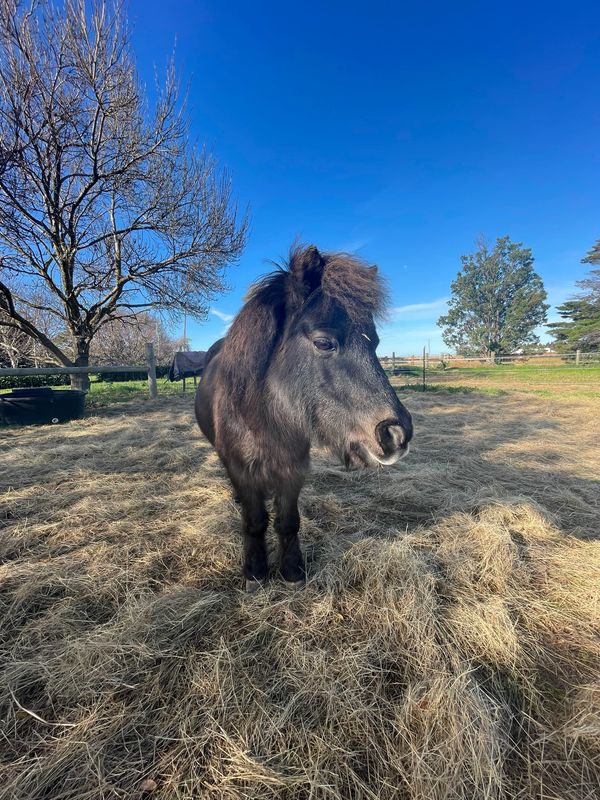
pixel 41 406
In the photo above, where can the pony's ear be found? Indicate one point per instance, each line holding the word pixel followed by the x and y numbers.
pixel 306 267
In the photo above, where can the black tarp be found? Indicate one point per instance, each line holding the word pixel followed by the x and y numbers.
pixel 187 364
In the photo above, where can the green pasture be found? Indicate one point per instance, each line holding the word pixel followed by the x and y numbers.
pixel 552 380
pixel 105 393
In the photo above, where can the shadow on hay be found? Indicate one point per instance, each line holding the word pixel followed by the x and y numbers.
pixel 449 469
pixel 485 468
pixel 135 634
pixel 458 468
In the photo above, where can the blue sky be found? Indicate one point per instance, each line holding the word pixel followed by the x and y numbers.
pixel 399 131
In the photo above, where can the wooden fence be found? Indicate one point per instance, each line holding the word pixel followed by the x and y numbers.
pixel 397 361
pixel 424 362
pixel 149 367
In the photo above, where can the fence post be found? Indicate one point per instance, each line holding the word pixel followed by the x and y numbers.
pixel 151 362
pixel 578 357
pixel 393 363
pixel 492 358
pixel 423 369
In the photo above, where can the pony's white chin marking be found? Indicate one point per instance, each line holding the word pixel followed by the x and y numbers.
pixel 385 461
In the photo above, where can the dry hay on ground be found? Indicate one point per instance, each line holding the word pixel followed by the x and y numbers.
pixel 446 645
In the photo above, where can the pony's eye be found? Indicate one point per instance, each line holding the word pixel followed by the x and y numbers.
pixel 324 345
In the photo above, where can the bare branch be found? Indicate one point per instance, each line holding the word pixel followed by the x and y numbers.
pixel 102 201
pixel 8 306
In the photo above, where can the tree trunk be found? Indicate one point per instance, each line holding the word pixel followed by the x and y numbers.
pixel 81 380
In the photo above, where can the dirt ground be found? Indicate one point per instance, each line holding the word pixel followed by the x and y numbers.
pixel 446 645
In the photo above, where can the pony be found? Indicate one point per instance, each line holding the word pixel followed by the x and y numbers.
pixel 296 368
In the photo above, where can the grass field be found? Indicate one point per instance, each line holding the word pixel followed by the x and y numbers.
pixel 446 645
pixel 545 381
pixel 581 381
pixel 104 393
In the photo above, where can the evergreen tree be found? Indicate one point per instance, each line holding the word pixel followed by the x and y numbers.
pixel 580 326
pixel 593 257
pixel 497 301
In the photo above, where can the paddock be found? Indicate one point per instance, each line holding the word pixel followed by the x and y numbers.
pixel 446 644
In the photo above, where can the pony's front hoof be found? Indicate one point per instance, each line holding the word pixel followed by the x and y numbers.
pixel 293 571
pixel 252 585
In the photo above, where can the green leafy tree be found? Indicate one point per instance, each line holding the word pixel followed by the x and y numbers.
pixel 497 301
pixel 579 328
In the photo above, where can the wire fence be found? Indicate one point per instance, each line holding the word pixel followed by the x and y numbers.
pixel 542 372
pixel 577 357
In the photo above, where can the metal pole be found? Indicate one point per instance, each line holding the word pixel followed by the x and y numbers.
pixel 424 350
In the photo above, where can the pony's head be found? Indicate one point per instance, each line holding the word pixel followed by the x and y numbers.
pixel 305 341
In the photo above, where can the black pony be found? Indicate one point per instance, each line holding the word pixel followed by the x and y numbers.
pixel 298 366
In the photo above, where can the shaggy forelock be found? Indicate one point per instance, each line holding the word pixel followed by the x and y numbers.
pixel 356 286
pixel 347 279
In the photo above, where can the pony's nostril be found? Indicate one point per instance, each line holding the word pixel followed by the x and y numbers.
pixel 390 436
pixel 397 434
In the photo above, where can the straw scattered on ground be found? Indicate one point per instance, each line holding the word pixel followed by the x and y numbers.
pixel 446 646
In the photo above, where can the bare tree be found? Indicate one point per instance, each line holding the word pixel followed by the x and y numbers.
pixel 15 347
pixel 18 348
pixel 103 202
pixel 123 340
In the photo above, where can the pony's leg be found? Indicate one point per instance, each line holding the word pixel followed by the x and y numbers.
pixel 254 524
pixel 287 525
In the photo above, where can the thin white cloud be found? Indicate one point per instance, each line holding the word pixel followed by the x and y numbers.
pixel 410 342
pixel 222 315
pixel 353 246
pixel 424 310
pixel 558 294
pixel 421 333
pixel 418 332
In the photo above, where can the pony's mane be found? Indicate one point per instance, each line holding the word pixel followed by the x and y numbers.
pixel 341 277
